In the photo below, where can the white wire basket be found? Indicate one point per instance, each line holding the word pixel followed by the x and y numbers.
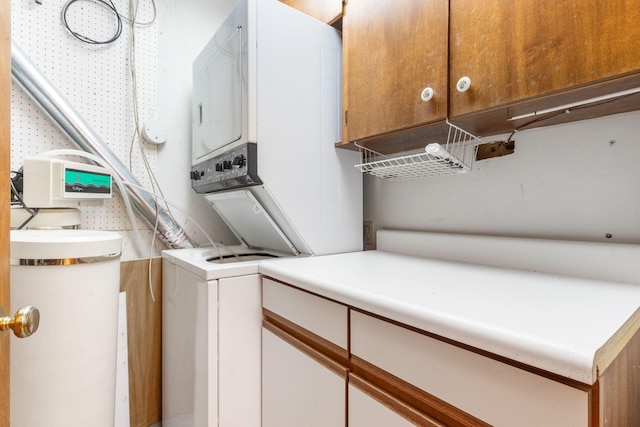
pixel 454 157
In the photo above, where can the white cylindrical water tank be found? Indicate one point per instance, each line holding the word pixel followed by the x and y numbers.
pixel 65 373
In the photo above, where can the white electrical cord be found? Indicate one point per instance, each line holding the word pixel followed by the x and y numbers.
pixel 134 17
pixel 133 12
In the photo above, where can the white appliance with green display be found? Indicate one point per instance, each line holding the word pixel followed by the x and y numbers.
pixel 55 183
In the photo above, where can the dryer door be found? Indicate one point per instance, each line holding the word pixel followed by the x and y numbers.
pixel 218 92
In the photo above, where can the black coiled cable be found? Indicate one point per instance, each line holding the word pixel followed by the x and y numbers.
pixel 108 4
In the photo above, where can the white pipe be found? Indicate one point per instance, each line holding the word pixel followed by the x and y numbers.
pixel 57 108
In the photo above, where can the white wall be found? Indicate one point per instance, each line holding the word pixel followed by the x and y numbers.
pixel 184 29
pixel 562 182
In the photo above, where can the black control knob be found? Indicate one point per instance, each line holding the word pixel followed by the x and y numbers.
pixel 226 164
pixel 196 175
pixel 218 167
pixel 239 161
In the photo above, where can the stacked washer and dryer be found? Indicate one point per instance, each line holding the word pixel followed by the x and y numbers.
pixel 266 116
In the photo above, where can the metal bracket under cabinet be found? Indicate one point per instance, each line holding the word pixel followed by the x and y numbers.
pixel 456 156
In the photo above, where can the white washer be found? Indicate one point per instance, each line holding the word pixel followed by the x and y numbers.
pixel 211 335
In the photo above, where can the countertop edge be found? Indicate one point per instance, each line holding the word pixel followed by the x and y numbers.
pixel 606 354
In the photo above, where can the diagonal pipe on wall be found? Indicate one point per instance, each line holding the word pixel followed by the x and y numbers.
pixel 57 108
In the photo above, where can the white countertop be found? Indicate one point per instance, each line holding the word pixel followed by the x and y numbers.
pixel 565 325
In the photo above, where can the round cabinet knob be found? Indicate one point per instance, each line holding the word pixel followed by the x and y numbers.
pixel 463 84
pixel 427 94
pixel 24 323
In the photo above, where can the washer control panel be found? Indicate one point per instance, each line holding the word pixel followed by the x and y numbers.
pixel 235 168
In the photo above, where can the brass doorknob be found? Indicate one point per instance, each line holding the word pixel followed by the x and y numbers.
pixel 24 323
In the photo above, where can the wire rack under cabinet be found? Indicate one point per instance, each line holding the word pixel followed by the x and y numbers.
pixel 456 156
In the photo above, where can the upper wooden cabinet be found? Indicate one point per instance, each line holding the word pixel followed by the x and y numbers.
pixel 328 11
pixel 537 54
pixel 521 58
pixel 393 52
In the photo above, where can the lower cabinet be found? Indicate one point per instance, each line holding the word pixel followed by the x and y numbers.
pixel 327 364
pixel 304 357
pixel 297 390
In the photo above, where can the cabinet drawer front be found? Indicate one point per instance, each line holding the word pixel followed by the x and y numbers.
pixel 495 392
pixel 321 316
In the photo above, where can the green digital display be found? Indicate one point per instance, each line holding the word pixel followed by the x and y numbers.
pixel 79 181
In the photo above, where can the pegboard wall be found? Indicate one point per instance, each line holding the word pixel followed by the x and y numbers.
pixel 97 82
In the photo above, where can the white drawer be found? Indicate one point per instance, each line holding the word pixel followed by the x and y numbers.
pixel 492 391
pixel 321 316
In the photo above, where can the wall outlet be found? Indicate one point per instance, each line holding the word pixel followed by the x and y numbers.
pixel 368 235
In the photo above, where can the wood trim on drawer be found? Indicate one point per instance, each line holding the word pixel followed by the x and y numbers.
pixel 316 342
pixel 324 360
pixel 397 406
pixel 427 404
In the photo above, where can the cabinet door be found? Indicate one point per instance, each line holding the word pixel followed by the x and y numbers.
pixel 393 51
pixel 516 50
pixel 327 11
pixel 297 390
pixel 365 411
pixel 371 407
